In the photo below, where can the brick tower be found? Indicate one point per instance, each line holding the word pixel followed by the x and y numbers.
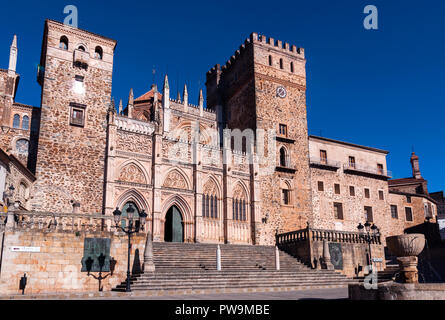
pixel 75 74
pixel 263 86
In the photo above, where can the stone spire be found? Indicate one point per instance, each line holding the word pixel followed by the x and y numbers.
pixel 201 99
pixel 13 55
pixel 185 95
pixel 201 103
pixel 415 166
pixel 130 103
pixel 178 97
pixel 166 105
pixel 166 94
pixel 120 107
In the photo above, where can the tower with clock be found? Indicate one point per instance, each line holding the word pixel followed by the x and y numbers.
pixel 263 86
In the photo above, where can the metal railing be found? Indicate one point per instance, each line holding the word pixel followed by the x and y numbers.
pixel 366 169
pixel 324 162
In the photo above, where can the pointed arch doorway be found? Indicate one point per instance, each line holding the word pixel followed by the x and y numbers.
pixel 174 225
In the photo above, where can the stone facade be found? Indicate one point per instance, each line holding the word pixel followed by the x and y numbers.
pixel 71 149
pixel 239 170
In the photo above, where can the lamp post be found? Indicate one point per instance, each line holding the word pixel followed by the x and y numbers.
pixel 368 232
pixel 129 230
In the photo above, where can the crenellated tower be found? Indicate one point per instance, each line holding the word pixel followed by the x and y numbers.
pixel 263 86
pixel 75 75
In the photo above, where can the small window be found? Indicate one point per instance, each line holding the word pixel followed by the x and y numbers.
pixel 408 214
pixel 380 168
pixel 337 188
pixel 77 114
pixel 352 191
pixel 286 196
pixel 381 195
pixel 292 67
pixel 283 130
pixel 81 48
pixel 320 186
pixel 16 121
pixel 270 60
pixel 352 162
pixel 323 156
pixel 281 64
pixel 63 44
pixel 98 53
pixel 283 158
pixel 408 199
pixel 338 211
pixel 25 123
pixel 367 196
pixel 394 213
pixel 368 214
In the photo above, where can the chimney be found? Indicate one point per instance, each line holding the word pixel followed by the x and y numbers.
pixel 415 166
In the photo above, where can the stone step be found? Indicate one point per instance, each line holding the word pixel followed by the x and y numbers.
pixel 193 266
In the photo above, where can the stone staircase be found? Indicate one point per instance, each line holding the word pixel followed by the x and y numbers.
pixel 185 267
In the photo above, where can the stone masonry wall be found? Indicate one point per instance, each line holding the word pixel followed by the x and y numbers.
pixel 71 159
pixel 57 267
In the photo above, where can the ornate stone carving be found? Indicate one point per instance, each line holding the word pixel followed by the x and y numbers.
pixel 175 180
pixel 132 173
pixel 239 193
pixel 210 188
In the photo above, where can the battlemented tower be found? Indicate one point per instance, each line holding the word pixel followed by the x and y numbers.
pixel 75 74
pixel 263 86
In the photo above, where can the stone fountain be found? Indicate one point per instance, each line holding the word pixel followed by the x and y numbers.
pixel 406 248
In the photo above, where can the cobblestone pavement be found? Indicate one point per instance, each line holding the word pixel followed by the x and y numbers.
pixel 316 294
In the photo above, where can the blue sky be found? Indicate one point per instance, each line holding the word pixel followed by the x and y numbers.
pixel 383 88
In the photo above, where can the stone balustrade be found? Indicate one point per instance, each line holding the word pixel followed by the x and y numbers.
pixel 329 235
pixel 350 250
pixel 133 125
pixel 60 222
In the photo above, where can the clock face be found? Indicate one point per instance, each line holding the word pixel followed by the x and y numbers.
pixel 281 92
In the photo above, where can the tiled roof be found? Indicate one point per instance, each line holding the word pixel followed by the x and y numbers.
pixel 403 181
pixel 148 96
pixel 348 144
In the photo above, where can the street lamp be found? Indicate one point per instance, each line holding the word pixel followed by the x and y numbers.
pixel 371 232
pixel 129 230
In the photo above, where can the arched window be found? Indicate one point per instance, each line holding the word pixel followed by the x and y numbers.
pixel 98 53
pixel 285 193
pixel 63 44
pixel 281 63
pixel 25 123
pixel 283 157
pixel 16 121
pixel 270 60
pixel 210 200
pixel 81 48
pixel 239 204
pixel 291 67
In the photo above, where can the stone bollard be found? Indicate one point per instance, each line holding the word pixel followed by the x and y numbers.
pixel 408 268
pixel 218 258
pixel 327 256
pixel 277 259
pixel 149 265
